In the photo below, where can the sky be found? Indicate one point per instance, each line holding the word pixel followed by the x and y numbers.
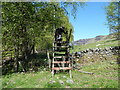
pixel 90 21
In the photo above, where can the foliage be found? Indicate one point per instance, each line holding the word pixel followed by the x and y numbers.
pixel 112 11
pixel 27 26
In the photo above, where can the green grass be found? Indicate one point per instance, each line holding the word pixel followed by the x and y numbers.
pixel 105 76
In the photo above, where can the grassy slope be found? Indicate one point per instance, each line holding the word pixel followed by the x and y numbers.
pixel 105 76
pixel 108 42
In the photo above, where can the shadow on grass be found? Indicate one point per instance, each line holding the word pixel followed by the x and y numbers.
pixel 36 62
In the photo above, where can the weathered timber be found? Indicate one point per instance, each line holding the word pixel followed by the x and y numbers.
pixel 61 59
pixel 85 72
pixel 61 68
pixel 61 62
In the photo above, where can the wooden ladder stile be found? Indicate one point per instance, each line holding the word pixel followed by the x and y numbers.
pixel 61 61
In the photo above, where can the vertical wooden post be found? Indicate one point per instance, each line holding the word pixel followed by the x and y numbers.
pixel 53 42
pixel 68 54
pixel 63 64
pixel 49 61
pixel 53 61
pixel 70 69
pixel 72 60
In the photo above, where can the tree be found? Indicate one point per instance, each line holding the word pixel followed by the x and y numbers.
pixel 26 25
pixel 113 18
pixel 17 37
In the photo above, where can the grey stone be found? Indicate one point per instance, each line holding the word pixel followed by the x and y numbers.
pixel 57 77
pixel 51 82
pixel 69 81
pixel 64 76
pixel 67 86
pixel 61 82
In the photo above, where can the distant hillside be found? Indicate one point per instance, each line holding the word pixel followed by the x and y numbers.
pixel 89 40
pixel 100 41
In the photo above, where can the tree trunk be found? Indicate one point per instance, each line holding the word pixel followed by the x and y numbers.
pixel 16 60
pixel 33 49
pixel 49 61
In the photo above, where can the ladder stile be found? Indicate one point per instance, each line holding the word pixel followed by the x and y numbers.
pixel 61 57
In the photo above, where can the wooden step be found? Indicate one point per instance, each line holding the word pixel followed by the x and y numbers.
pixel 60 41
pixel 63 46
pixel 60 50
pixel 61 62
pixel 61 68
pixel 60 57
pixel 57 53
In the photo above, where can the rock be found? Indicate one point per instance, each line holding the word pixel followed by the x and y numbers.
pixel 69 81
pixel 61 82
pixel 64 76
pixel 113 62
pixel 67 86
pixel 57 77
pixel 51 82
pixel 44 69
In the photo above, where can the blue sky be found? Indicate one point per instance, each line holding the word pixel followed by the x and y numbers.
pixel 90 21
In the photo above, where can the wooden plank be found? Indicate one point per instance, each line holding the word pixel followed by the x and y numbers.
pixel 60 50
pixel 85 72
pixel 61 68
pixel 59 57
pixel 61 62
pixel 60 42
pixel 57 52
pixel 65 46
pixel 60 54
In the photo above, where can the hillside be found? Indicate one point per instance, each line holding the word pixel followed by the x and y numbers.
pixel 89 40
pixel 97 42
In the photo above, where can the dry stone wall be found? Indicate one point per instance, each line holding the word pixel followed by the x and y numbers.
pixel 92 55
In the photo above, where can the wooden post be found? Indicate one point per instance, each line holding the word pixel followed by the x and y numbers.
pixel 69 35
pixel 49 61
pixel 63 64
pixel 69 57
pixel 70 69
pixel 72 60
pixel 53 61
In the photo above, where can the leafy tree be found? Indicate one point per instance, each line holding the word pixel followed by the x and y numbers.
pixel 16 34
pixel 26 25
pixel 112 11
